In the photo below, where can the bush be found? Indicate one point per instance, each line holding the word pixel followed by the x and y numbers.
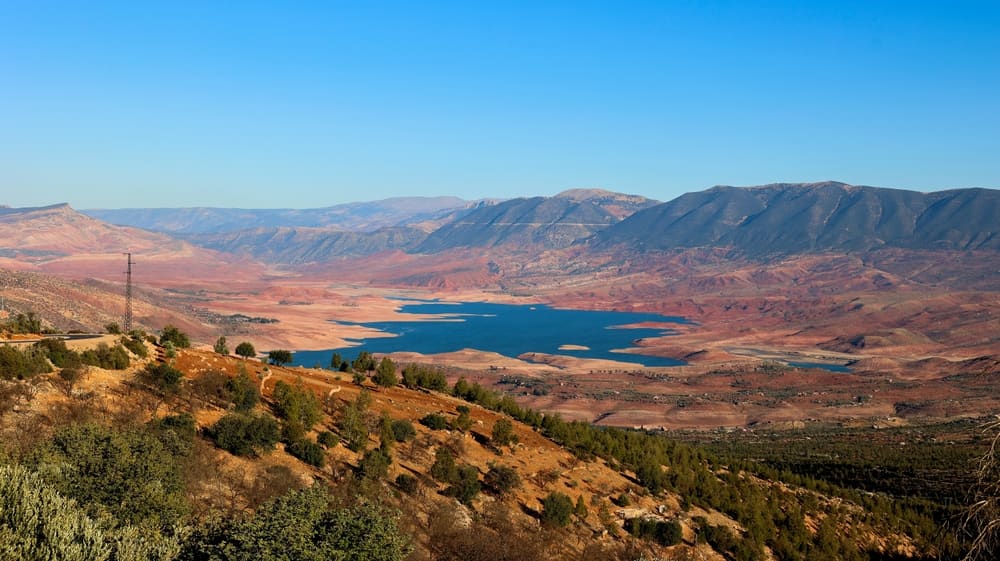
pixel 556 509
pixel 503 433
pixel 502 479
pixel 327 439
pixel 465 485
pixel 307 451
pixel 407 483
pixel 385 373
pixel 296 404
pixel 59 354
pixel 444 469
pixel 221 347
pixel 110 358
pixel 434 421
pixel 246 350
pixel 402 430
pixel 162 376
pixel 16 364
pixel 136 345
pixel 464 421
pixel 243 392
pixel 245 435
pixel 175 336
pixel 375 464
pixel 663 532
pixel 279 357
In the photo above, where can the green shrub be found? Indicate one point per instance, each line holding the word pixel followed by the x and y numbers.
pixel 503 433
pixel 375 464
pixel 162 376
pixel 407 483
pixel 502 479
pixel 434 421
pixel 661 531
pixel 136 345
pixel 444 469
pixel 327 439
pixel 465 484
pixel 556 509
pixel 243 392
pixel 16 364
pixel 307 451
pixel 402 430
pixel 175 336
pixel 245 435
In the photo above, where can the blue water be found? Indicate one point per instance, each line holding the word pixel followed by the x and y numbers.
pixel 509 330
pixel 820 365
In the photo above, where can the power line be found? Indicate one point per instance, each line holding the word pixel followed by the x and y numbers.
pixel 127 324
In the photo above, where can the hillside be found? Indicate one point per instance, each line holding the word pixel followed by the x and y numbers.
pixel 542 222
pixel 796 218
pixel 301 246
pixel 462 486
pixel 360 216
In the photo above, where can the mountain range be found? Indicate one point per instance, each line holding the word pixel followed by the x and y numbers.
pixel 756 222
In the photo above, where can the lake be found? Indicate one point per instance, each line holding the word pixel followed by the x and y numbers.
pixel 510 330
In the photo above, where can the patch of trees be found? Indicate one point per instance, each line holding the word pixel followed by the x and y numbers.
pixel 663 532
pixel 245 434
pixel 173 336
pixel 22 323
pixel 419 376
pixel 16 364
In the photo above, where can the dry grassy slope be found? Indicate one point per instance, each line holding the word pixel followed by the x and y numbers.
pixel 543 465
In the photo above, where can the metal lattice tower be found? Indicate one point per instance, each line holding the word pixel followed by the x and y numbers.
pixel 127 324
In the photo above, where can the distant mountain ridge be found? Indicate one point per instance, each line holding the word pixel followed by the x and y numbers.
pixel 786 218
pixel 300 246
pixel 360 216
pixel 547 222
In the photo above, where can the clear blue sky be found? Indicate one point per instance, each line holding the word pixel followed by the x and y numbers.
pixel 308 104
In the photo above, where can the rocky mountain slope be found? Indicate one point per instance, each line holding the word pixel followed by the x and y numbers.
pixel 544 222
pixel 800 218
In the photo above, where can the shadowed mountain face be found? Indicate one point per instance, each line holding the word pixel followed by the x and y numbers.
pixel 364 216
pixel 800 218
pixel 545 222
pixel 299 246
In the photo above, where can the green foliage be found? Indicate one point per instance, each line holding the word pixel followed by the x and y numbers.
pixel 302 525
pixel 335 361
pixel 37 523
pixel 358 377
pixel 279 357
pixel 463 422
pixel 407 483
pixel 60 355
pixel 103 356
pixel 661 531
pixel 245 435
pixel 162 376
pixel 465 484
pixel 556 509
pixel 502 479
pixel 221 347
pixel 135 475
pixel 365 362
pixel 580 509
pixel 113 328
pixel 327 439
pixel 385 373
pixel 307 451
pixel 402 430
pixel 175 336
pixel 296 405
pixel 135 344
pixel 19 365
pixel 243 392
pixel 434 421
pixel 375 464
pixel 417 376
pixel 246 350
pixel 444 468
pixel 503 433
pixel 25 323
pixel 352 425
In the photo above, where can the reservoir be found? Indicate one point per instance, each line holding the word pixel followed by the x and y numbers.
pixel 510 330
